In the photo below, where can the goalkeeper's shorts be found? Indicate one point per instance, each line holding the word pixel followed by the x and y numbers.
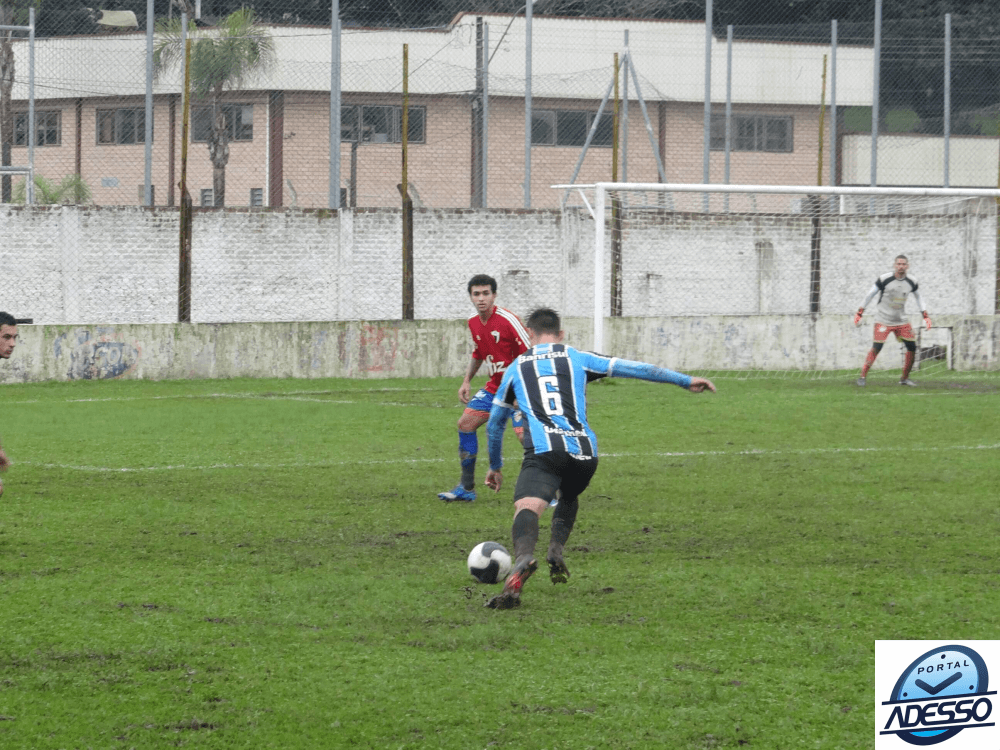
pixel 904 332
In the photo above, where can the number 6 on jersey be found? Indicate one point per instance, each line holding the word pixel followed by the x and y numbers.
pixel 551 400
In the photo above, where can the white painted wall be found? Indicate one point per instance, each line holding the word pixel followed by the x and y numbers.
pixel 918 161
pixel 72 265
pixel 440 348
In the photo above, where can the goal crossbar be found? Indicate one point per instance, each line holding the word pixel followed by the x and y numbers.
pixel 666 187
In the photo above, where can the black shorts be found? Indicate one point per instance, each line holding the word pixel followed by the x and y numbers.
pixel 544 473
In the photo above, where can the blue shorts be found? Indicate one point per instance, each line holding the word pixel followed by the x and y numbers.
pixel 483 401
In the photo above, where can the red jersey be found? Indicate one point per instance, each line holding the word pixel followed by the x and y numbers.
pixel 499 342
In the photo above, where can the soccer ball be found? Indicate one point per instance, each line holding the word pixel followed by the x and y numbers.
pixel 489 562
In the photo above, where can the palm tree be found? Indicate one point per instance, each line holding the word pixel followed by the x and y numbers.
pixel 225 57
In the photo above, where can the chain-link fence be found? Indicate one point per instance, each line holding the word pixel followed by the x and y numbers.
pixel 480 105
pixel 262 121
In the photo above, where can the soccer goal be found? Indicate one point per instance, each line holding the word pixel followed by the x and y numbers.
pixel 749 280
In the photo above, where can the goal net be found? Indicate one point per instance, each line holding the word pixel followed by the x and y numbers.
pixel 748 280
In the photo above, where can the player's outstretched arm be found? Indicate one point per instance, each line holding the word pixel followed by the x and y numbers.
pixel 701 384
pixel 625 368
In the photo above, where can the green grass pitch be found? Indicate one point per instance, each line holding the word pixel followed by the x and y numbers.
pixel 264 564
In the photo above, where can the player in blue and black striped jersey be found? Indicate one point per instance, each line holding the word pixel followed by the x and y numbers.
pixel 549 384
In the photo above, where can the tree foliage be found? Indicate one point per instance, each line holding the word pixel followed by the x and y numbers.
pixel 222 58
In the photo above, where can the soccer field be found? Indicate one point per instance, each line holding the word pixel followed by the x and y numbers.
pixel 264 563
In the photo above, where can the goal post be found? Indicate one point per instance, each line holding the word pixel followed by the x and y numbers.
pixel 29 179
pixel 763 279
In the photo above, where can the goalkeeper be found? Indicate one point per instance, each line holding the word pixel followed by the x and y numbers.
pixel 549 383
pixel 892 290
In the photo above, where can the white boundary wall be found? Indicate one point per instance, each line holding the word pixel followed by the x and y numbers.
pixel 78 265
pixel 384 349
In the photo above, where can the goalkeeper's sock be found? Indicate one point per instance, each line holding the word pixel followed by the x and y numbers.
pixel 908 364
pixel 468 447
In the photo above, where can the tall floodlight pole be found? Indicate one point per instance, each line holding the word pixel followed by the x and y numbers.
pixel 708 98
pixel 947 98
pixel 626 62
pixel 334 198
pixel 729 108
pixel 486 110
pixel 876 60
pixel 30 182
pixel 147 194
pixel 527 103
pixel 833 102
pixel 184 263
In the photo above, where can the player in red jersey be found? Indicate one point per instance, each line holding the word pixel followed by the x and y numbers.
pixel 498 339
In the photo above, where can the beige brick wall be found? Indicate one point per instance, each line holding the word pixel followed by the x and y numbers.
pixel 52 162
pixel 440 168
pixel 114 172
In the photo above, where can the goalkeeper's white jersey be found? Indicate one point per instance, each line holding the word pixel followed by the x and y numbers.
pixel 892 294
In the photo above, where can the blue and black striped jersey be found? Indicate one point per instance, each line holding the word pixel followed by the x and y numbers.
pixel 548 383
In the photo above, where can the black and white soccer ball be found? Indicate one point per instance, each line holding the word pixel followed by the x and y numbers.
pixel 490 562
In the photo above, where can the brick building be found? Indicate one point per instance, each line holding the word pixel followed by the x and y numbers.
pixel 90 115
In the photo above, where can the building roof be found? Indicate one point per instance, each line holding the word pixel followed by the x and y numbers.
pixel 572 58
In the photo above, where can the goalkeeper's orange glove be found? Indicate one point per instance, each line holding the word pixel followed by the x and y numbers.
pixel 857 316
pixel 927 320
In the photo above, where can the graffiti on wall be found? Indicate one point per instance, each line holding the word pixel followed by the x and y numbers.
pixel 95 355
pixel 374 347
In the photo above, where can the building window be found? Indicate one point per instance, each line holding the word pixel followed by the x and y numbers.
pixel 239 122
pixel 48 130
pixel 753 133
pixel 116 126
pixel 207 199
pixel 381 124
pixel 550 127
pixel 256 196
